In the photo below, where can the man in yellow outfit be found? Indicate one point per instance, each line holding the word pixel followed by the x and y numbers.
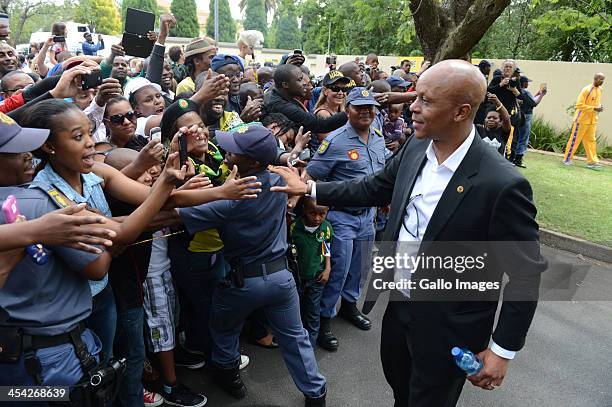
pixel 588 107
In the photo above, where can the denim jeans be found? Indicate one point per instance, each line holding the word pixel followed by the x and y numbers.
pixel 311 292
pixel 196 275
pixel 129 344
pixel 521 141
pixel 103 320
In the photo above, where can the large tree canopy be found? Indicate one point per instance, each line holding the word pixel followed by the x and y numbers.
pixel 227 25
pixel 186 13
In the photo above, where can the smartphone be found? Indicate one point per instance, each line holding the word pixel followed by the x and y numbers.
pixel 91 80
pixel 155 134
pixel 543 87
pixel 10 209
pixel 182 140
pixel 297 52
pixel 59 38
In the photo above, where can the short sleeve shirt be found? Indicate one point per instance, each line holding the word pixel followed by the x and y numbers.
pixel 93 195
pixel 252 229
pixel 312 247
pixel 52 298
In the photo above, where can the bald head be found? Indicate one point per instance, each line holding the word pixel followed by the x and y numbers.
pixel 120 158
pixel 352 70
pixel 448 96
pixel 599 79
pixel 461 82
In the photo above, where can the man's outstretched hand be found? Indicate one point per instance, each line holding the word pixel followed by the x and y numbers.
pixel 295 185
pixel 493 371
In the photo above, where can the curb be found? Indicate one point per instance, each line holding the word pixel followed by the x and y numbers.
pixel 576 245
pixel 604 161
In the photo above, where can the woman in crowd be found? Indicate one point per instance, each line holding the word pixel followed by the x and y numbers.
pixel 331 100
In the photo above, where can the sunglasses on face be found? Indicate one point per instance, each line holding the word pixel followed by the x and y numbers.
pixel 119 118
pixel 337 89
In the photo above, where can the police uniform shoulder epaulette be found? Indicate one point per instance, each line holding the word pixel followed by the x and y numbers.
pixel 325 143
pixel 56 196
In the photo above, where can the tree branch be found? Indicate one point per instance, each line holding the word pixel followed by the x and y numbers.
pixel 478 18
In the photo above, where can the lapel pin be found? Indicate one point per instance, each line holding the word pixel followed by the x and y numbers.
pixel 460 189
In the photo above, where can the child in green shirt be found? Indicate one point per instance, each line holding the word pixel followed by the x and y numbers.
pixel 312 235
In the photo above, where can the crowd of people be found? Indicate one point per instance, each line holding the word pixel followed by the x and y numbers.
pixel 152 221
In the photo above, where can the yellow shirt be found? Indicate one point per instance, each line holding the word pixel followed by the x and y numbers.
pixel 588 100
pixel 186 85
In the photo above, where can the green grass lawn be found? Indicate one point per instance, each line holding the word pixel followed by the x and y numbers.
pixel 571 199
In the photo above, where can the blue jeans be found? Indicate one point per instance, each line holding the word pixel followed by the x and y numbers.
pixel 310 308
pixel 103 320
pixel 129 344
pixel 60 367
pixel 277 295
pixel 350 248
pixel 521 141
pixel 196 275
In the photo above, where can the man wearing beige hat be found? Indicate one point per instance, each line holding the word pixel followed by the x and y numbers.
pixel 198 54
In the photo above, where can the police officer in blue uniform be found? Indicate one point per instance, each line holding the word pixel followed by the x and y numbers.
pixel 43 303
pixel 350 152
pixel 254 233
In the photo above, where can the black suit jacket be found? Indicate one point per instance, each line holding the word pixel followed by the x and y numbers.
pixel 495 205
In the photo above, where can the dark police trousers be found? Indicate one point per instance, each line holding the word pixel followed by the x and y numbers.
pixel 277 296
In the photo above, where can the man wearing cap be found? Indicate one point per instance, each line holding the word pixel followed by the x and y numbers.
pixel 57 298
pixel 521 139
pixel 89 48
pixel 398 84
pixel 198 57
pixel 353 151
pixel 259 277
pixel 230 66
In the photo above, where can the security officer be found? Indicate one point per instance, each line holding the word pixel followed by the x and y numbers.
pixel 42 306
pixel 350 152
pixel 254 233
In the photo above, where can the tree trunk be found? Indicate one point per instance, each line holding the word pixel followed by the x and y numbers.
pixel 450 29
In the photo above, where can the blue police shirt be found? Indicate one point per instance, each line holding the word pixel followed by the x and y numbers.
pixel 93 195
pixel 253 229
pixel 52 298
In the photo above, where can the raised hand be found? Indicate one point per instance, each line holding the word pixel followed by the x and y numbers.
pixel 150 155
pixel 172 174
pixel 109 89
pixel 295 185
pixel 69 83
pixel 252 110
pixel 243 188
pixel 200 181
pixel 211 88
pixel 62 228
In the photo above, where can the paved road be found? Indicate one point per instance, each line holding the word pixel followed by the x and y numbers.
pixel 567 360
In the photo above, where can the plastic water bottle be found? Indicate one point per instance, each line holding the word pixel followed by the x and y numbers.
pixel 467 361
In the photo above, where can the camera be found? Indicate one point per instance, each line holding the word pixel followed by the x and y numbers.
pixel 59 38
pixel 331 60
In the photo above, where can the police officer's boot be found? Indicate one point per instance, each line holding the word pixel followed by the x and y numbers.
pixel 511 157
pixel 326 339
pixel 349 311
pixel 316 401
pixel 518 161
pixel 230 381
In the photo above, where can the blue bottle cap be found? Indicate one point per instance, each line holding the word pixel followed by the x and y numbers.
pixel 456 351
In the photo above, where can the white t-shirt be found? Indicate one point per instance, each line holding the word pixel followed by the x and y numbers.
pixel 159 262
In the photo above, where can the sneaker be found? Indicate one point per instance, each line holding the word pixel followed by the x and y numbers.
pixel 567 163
pixel 152 399
pixel 244 361
pixel 594 167
pixel 184 358
pixel 183 396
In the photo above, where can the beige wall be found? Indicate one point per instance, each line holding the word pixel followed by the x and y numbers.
pixel 564 81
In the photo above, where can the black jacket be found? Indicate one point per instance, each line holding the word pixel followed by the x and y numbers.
pixel 486 200
pixel 274 102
